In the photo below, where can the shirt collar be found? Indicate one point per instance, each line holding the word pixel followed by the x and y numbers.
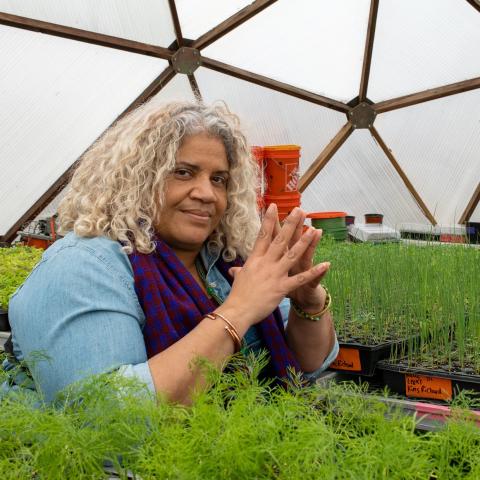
pixel 209 257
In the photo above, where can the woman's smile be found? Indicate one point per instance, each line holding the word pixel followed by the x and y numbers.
pixel 200 215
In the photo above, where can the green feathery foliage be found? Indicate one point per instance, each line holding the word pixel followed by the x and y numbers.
pixel 15 265
pixel 240 428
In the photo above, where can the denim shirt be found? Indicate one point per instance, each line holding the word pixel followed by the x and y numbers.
pixel 79 307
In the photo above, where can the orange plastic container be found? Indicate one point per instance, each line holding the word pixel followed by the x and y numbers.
pixel 326 215
pixel 37 242
pixel 374 218
pixel 260 205
pixel 257 154
pixel 285 203
pixel 449 238
pixel 281 168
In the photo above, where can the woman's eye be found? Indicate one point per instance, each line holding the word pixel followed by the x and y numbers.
pixel 220 180
pixel 182 173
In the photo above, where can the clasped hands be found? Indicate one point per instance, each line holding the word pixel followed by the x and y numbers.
pixel 281 265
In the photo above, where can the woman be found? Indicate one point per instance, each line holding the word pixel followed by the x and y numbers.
pixel 160 215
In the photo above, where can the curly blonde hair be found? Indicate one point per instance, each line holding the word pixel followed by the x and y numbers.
pixel 118 190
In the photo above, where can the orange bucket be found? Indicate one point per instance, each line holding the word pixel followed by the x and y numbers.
pixel 374 218
pixel 260 205
pixel 317 215
pixel 38 242
pixel 281 168
pixel 285 203
pixel 257 154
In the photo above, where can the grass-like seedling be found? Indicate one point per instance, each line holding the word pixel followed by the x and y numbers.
pixel 15 265
pixel 393 291
pixel 240 428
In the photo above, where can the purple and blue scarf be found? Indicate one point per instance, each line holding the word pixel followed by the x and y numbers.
pixel 174 304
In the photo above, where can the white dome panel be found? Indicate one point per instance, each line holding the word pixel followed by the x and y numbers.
pixel 197 18
pixel 148 21
pixel 437 144
pixel 270 117
pixel 57 96
pixel 476 214
pixel 422 45
pixel 178 88
pixel 360 179
pixel 317 46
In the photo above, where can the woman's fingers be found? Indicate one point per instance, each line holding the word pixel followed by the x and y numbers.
pixel 313 274
pixel 299 258
pixel 285 246
pixel 277 270
pixel 299 230
pixel 280 244
pixel 305 262
pixel 276 228
pixel 265 235
pixel 233 271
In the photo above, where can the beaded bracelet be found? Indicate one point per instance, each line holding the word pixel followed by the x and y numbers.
pixel 314 317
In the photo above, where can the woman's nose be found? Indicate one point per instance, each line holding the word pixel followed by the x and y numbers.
pixel 203 190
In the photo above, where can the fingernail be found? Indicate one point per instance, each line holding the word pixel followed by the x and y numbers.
pixel 295 212
pixel 321 267
pixel 271 208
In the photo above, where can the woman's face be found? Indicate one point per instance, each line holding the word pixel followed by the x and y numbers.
pixel 196 193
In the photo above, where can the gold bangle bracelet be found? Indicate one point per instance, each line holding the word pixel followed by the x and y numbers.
pixel 314 317
pixel 230 328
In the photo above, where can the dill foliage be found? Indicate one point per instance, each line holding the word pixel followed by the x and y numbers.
pixel 241 427
pixel 15 265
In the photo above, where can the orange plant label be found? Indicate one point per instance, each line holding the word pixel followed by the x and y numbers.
pixel 452 238
pixel 347 359
pixel 421 386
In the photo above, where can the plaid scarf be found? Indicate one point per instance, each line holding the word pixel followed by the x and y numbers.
pixel 174 304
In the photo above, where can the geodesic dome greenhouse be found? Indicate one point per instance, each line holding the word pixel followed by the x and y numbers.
pixel 115 362
pixel 382 96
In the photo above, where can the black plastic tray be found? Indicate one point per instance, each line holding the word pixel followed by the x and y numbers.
pixel 365 361
pixel 4 324
pixel 396 376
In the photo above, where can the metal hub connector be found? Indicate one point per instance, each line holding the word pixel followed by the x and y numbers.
pixel 186 60
pixel 362 116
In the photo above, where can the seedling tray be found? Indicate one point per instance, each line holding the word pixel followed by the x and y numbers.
pixel 4 324
pixel 427 384
pixel 428 416
pixel 362 359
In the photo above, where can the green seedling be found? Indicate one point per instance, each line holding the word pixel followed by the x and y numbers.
pixel 241 427
pixel 15 265
pixel 395 291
